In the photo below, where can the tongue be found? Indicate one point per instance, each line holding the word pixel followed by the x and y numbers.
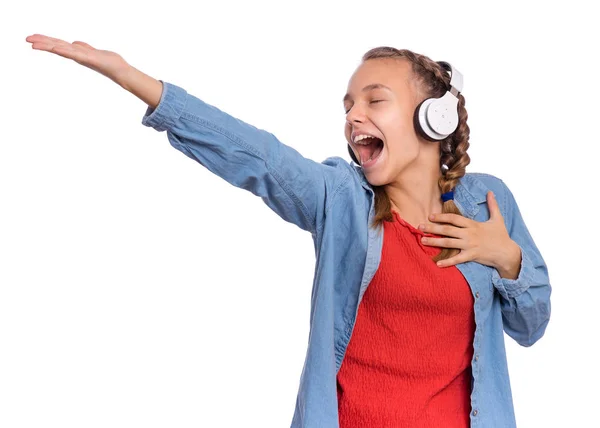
pixel 372 149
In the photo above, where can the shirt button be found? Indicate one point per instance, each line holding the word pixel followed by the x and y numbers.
pixel 475 412
pixel 476 357
pixel 477 294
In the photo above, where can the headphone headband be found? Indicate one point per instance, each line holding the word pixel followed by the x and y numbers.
pixel 456 78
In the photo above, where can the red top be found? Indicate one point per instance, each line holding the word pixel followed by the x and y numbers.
pixel 408 362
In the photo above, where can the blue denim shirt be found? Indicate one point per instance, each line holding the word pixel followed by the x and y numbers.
pixel 334 202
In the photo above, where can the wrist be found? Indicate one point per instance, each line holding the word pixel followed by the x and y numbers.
pixel 509 266
pixel 141 85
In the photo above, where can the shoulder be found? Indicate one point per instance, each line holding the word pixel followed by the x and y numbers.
pixel 485 182
pixel 480 183
pixel 337 162
pixel 347 170
pixel 491 182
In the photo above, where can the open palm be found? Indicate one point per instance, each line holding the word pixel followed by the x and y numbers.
pixel 107 63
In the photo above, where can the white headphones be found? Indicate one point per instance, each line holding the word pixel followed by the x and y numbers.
pixel 436 118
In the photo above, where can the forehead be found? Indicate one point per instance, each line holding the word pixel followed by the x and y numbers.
pixel 394 73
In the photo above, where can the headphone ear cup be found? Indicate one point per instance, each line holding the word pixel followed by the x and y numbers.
pixel 437 118
pixel 352 155
pixel 417 121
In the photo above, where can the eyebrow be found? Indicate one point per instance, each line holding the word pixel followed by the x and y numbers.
pixel 370 87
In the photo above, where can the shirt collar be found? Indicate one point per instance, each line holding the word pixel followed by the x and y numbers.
pixel 468 194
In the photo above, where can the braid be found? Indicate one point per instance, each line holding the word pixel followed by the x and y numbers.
pixel 434 82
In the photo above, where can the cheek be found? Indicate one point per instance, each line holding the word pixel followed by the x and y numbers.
pixel 397 122
pixel 400 135
pixel 401 140
pixel 405 148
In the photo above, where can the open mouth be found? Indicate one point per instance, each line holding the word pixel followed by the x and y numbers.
pixel 369 148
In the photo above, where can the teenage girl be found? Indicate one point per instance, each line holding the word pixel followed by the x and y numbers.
pixel 421 266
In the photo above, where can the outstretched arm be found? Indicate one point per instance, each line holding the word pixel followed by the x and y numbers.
pixel 298 189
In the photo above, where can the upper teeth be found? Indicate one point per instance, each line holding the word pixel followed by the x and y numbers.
pixel 362 137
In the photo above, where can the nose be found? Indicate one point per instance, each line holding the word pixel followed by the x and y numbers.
pixel 355 115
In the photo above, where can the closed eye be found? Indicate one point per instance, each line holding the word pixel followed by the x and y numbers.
pixel 372 102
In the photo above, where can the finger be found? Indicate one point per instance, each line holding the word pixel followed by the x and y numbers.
pixel 44 46
pixel 443 242
pixel 66 51
pixel 493 206
pixel 455 219
pixel 459 258
pixel 51 47
pixel 45 39
pixel 443 229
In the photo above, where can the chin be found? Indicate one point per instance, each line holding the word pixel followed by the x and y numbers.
pixel 376 181
pixel 376 178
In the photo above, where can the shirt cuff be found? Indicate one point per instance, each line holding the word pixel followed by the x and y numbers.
pixel 513 287
pixel 169 108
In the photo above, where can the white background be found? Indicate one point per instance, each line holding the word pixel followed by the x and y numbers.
pixel 139 290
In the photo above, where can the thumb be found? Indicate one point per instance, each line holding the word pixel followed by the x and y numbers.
pixel 493 206
pixel 78 42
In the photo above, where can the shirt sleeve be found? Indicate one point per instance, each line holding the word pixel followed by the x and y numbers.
pixel 293 186
pixel 525 300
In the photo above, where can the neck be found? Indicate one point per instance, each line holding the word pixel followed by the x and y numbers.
pixel 416 193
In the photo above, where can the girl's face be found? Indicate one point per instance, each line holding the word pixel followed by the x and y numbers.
pixel 381 100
